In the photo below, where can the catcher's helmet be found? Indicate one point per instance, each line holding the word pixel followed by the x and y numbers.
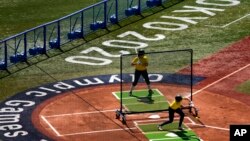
pixel 141 52
pixel 178 98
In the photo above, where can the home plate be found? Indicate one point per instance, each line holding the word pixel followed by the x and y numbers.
pixel 154 116
pixel 171 135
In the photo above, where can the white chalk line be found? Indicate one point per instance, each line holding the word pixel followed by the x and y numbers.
pixel 99 131
pixel 209 126
pixel 229 23
pixel 114 93
pixel 215 82
pixel 81 113
pixel 47 122
pixel 113 130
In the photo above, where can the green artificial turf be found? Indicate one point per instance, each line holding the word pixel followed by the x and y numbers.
pixel 244 87
pixel 17 16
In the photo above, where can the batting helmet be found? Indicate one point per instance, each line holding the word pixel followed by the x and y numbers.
pixel 141 52
pixel 178 98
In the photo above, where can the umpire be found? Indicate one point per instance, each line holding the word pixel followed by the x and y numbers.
pixel 140 63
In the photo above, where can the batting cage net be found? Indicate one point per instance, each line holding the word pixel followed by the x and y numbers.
pixel 169 73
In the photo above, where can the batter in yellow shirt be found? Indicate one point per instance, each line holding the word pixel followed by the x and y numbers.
pixel 140 63
pixel 175 105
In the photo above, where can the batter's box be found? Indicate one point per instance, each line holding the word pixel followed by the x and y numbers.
pixel 140 101
pixel 170 132
pixel 80 123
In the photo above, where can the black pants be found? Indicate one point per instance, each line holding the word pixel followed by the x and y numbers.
pixel 171 116
pixel 144 75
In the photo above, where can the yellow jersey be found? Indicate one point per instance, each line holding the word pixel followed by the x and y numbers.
pixel 175 105
pixel 140 63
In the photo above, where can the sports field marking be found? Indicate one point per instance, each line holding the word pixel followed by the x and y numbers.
pixel 209 126
pixel 136 122
pixel 159 120
pixel 141 104
pixel 116 96
pixel 229 23
pixel 133 97
pixel 140 101
pixel 78 133
pixel 169 134
pixel 99 131
pixel 196 92
pixel 81 113
pixel 191 122
pixel 173 139
pixel 159 92
pixel 47 122
pixel 146 122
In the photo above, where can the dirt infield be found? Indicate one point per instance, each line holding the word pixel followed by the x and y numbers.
pixel 89 113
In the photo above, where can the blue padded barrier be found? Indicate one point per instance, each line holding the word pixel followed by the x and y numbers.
pixel 36 50
pixel 3 66
pixel 75 34
pixel 113 19
pixel 54 43
pixel 97 25
pixel 132 11
pixel 19 57
pixel 152 3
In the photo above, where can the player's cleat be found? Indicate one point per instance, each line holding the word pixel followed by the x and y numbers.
pixel 160 128
pixel 150 92
pixel 180 128
pixel 130 93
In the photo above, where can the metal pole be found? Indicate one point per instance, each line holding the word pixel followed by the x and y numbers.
pixel 58 34
pixel 44 39
pixel 82 23
pixel 25 46
pixel 191 74
pixel 105 13
pixel 121 83
pixel 6 54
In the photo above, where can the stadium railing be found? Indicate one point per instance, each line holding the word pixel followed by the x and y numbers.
pixel 53 35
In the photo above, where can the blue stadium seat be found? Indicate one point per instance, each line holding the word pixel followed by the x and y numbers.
pixel 19 57
pixel 94 26
pixel 33 51
pixel 40 50
pixel 132 11
pixel 75 34
pixel 36 50
pixel 54 43
pixel 151 3
pixel 136 10
pixel 101 24
pixel 97 25
pixel 113 19
pixel 129 12
pixel 2 65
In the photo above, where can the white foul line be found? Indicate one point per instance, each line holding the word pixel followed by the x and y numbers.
pixel 46 121
pixel 81 113
pixel 99 131
pixel 221 79
pixel 230 22
pixel 220 128
pixel 90 132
